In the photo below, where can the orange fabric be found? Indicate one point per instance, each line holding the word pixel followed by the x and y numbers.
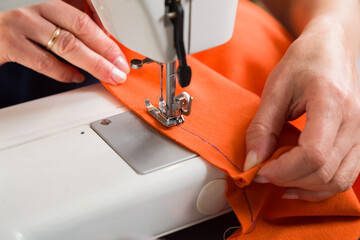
pixel 226 84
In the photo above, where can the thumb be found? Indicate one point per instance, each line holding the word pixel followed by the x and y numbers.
pixel 264 130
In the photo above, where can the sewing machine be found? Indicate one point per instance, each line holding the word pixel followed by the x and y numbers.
pixel 78 165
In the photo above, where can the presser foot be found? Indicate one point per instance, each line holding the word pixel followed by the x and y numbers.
pixel 162 117
pixel 169 113
pixel 181 106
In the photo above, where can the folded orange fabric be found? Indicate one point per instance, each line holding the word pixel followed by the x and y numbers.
pixel 226 85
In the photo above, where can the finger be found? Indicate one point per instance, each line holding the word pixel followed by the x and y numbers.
pixel 74 51
pixel 348 171
pixel 262 134
pixel 99 23
pixel 315 145
pixel 319 179
pixel 71 49
pixel 86 30
pixel 323 120
pixel 32 56
pixel 311 196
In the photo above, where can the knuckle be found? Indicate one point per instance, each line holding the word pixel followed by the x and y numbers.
pixel 43 63
pixel 16 14
pixel 7 26
pixel 336 90
pixel 5 39
pixel 315 157
pixel 67 43
pixel 258 130
pixel 10 43
pixel 351 109
pixel 18 17
pixel 81 24
pixel 100 67
pixel 112 50
pixel 324 176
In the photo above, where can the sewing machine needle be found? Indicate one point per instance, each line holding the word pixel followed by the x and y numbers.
pixel 162 103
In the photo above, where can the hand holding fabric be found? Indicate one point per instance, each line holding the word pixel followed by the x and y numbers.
pixel 318 76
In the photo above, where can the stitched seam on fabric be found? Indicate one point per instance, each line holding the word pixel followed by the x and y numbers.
pixel 223 154
pixel 212 145
pixel 251 213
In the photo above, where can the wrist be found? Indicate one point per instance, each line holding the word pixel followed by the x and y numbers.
pixel 336 27
pixel 303 12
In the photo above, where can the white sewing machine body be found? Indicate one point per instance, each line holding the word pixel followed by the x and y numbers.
pixel 60 180
pixel 207 24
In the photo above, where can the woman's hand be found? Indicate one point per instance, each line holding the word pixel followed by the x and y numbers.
pixel 318 75
pixel 81 42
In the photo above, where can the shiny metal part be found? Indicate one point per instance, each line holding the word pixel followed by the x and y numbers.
pixel 142 147
pixel 170 86
pixel 105 122
pixel 162 117
pixel 176 106
pixel 182 104
pixel 171 15
pixel 162 103
pixel 137 63
pixel 169 113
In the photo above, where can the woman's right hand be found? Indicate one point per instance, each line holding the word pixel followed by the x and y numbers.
pixel 81 42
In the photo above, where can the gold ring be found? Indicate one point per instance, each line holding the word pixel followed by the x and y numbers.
pixel 53 38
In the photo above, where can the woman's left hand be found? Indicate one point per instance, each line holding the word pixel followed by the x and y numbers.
pixel 318 75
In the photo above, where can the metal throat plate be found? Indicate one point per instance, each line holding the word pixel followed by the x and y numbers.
pixel 143 149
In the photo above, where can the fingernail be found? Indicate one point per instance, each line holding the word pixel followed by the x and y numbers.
pixel 260 179
pixel 251 160
pixel 290 196
pixel 118 76
pixel 78 78
pixel 121 63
